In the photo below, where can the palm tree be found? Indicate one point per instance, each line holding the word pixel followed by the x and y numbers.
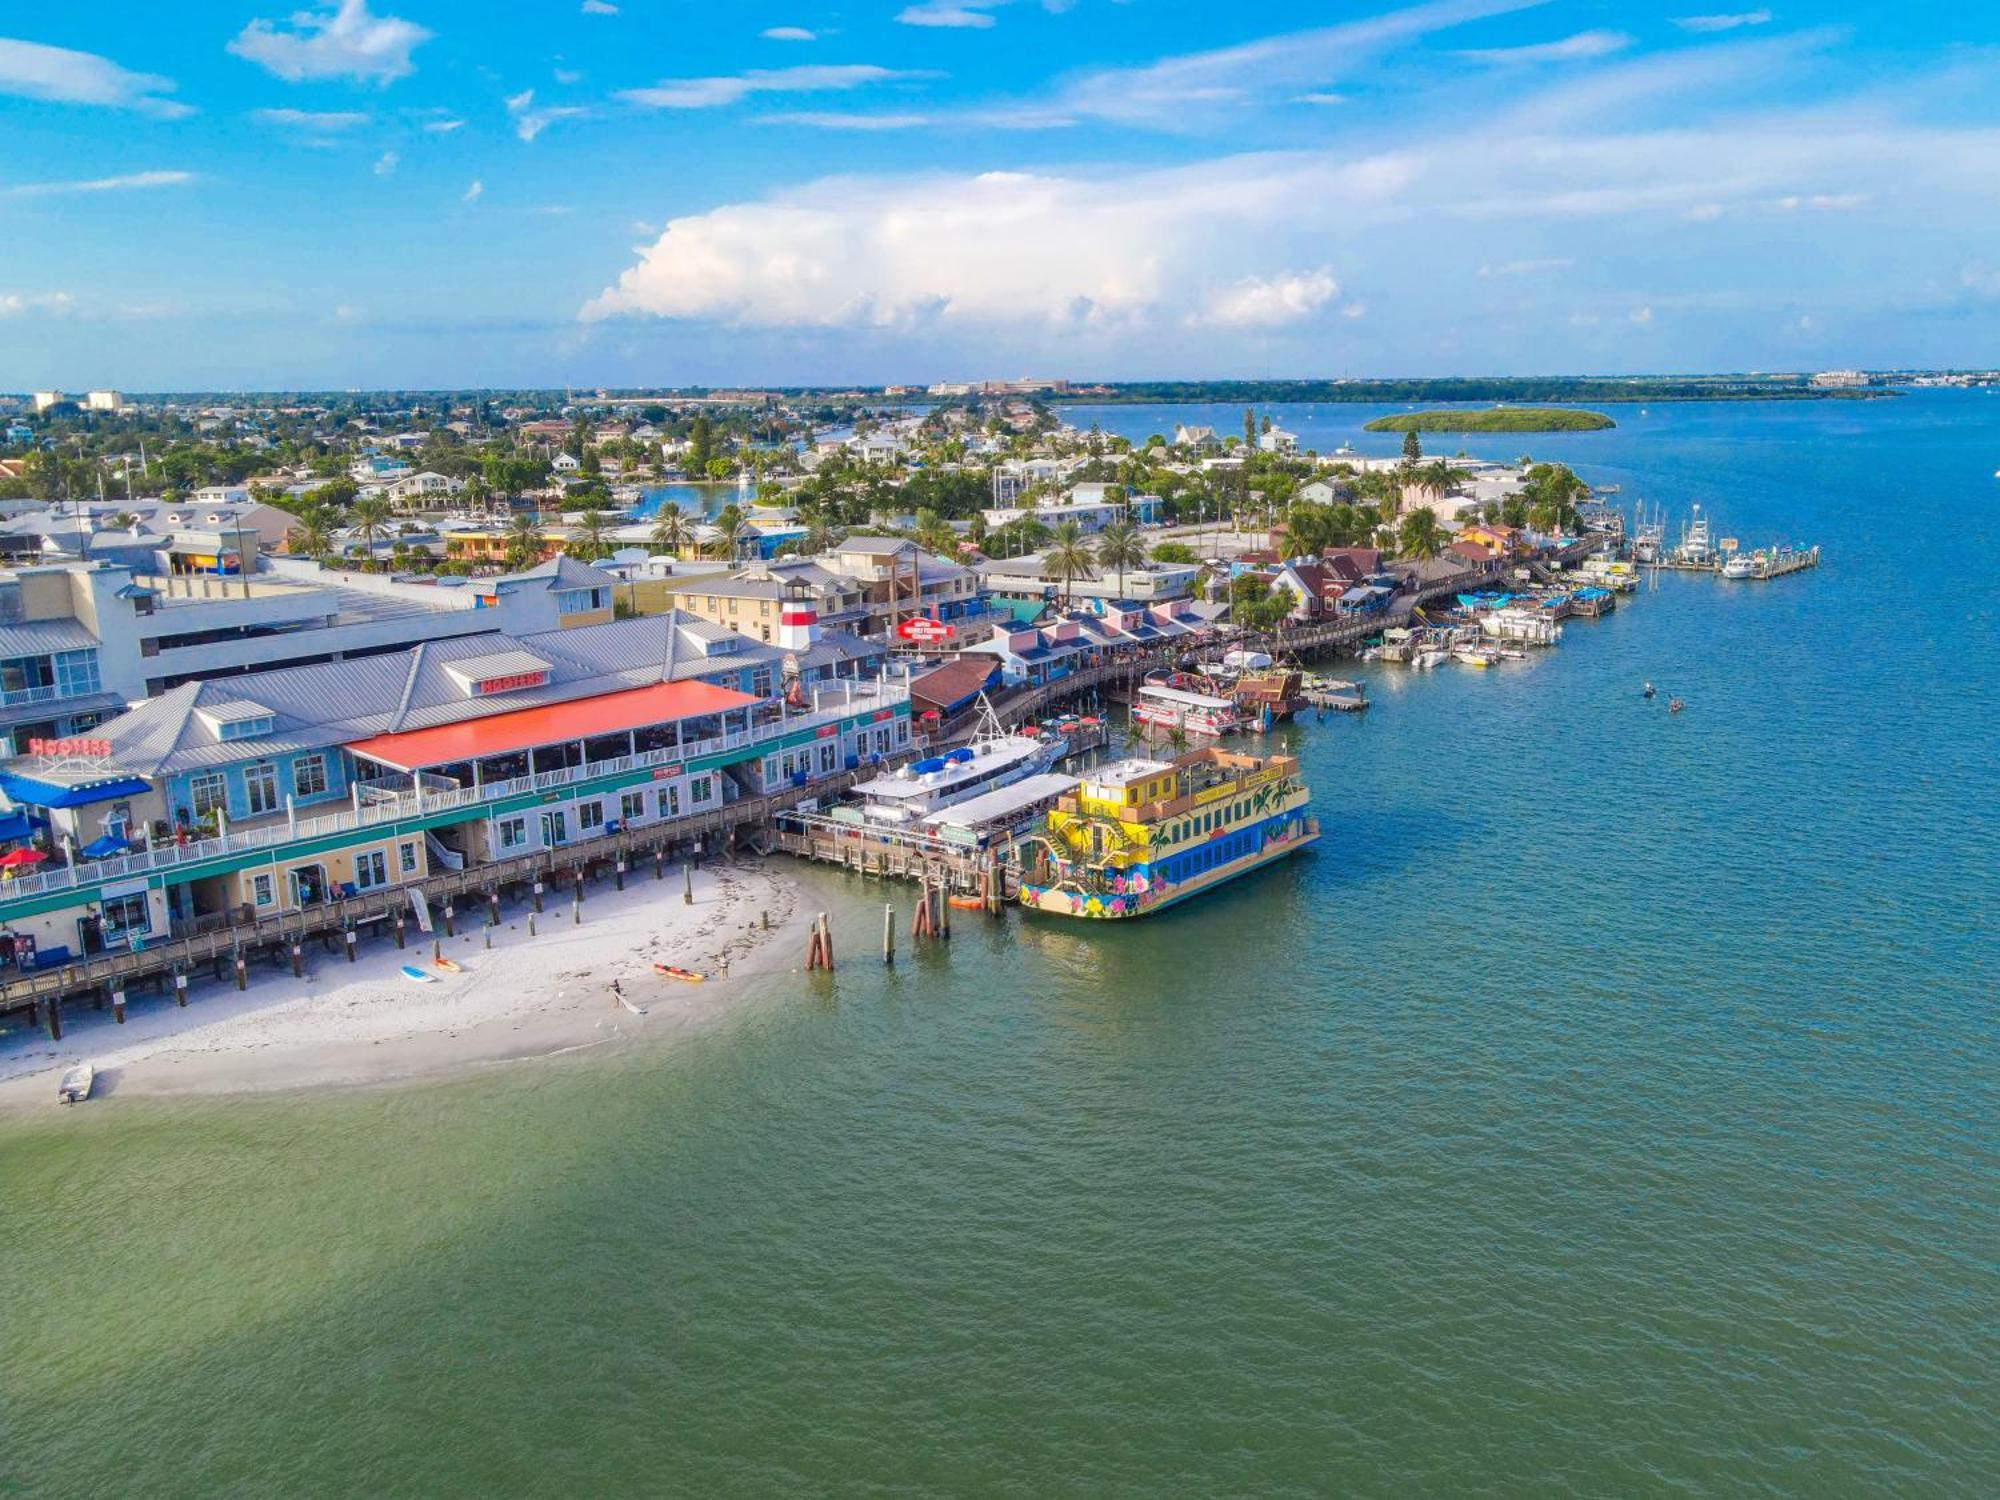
pixel 592 544
pixel 935 534
pixel 1120 546
pixel 313 536
pixel 524 541
pixel 735 530
pixel 671 531
pixel 1420 535
pixel 1069 557
pixel 370 519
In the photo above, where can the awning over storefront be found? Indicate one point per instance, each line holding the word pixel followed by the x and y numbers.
pixel 26 789
pixel 527 728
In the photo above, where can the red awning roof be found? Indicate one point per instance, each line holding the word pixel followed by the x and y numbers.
pixel 524 729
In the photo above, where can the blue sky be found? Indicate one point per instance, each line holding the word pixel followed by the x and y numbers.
pixel 449 193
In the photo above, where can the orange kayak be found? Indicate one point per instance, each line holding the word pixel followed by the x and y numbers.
pixel 967 903
pixel 449 965
pixel 686 976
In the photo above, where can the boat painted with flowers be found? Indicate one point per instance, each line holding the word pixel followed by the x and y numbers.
pixel 1139 835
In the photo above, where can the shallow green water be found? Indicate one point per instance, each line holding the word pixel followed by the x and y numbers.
pixel 1606 1108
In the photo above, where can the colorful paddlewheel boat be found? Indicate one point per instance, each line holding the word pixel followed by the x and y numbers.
pixel 1139 835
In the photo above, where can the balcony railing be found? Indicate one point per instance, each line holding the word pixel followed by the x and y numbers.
pixel 422 803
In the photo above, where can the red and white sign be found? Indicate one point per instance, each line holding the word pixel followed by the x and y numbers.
pixel 923 628
pixel 667 773
pixel 81 747
pixel 508 683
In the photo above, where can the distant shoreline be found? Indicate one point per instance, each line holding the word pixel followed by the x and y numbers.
pixel 1443 392
pixel 1495 419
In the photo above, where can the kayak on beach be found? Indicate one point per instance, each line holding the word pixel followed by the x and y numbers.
pixel 417 976
pixel 687 976
pixel 449 965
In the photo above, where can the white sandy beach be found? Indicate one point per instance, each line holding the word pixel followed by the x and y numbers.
pixel 365 1022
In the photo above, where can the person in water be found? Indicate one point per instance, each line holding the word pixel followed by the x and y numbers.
pixel 1649 690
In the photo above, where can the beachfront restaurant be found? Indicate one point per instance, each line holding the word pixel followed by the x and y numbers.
pixel 653 733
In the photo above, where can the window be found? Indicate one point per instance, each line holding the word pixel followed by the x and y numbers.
pixel 309 775
pixel 125 917
pixel 406 857
pixel 261 890
pixel 631 807
pixel 589 816
pixel 670 802
pixel 208 793
pixel 760 680
pixel 701 789
pixel 513 832
pixel 371 871
pixel 829 758
pixel 260 788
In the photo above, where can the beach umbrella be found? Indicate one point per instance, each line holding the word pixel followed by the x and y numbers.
pixel 14 859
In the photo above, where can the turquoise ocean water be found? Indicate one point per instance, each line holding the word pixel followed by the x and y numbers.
pixel 1607 1107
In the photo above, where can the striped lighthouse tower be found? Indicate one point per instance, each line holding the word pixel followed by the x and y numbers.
pixel 798 619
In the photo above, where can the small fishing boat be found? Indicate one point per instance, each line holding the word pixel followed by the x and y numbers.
pixel 75 1085
pixel 1474 656
pixel 1741 565
pixel 686 976
pixel 449 965
pixel 417 976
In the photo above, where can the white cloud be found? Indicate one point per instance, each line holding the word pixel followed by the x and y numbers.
pixel 15 304
pixel 788 34
pixel 599 8
pixel 1723 22
pixel 1794 203
pixel 1641 317
pixel 443 127
pixel 1527 267
pixel 98 185
pixel 566 75
pixel 318 120
pixel 1171 92
pixel 474 192
pixel 994 249
pixel 530 122
pixel 951 13
pixel 832 120
pixel 1320 98
pixel 708 93
pixel 386 163
pixel 1582 46
pixel 1270 301
pixel 29 70
pixel 347 42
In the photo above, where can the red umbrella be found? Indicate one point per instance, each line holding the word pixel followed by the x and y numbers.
pixel 15 858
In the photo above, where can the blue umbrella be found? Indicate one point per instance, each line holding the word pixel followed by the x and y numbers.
pixel 105 847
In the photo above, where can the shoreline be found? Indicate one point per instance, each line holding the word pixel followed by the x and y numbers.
pixel 364 1024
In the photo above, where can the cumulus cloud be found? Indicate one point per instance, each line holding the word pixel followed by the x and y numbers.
pixel 994 249
pixel 1270 301
pixel 788 34
pixel 347 42
pixel 98 184
pixel 813 78
pixel 30 70
pixel 1723 22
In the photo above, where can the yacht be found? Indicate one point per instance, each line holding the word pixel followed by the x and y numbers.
pixel 994 758
pixel 1697 548
pixel 1740 565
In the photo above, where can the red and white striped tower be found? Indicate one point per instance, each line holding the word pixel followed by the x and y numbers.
pixel 798 620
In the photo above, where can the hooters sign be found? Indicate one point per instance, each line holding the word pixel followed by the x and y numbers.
pixel 925 630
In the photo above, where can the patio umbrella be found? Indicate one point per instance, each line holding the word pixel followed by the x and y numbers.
pixel 105 846
pixel 13 859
